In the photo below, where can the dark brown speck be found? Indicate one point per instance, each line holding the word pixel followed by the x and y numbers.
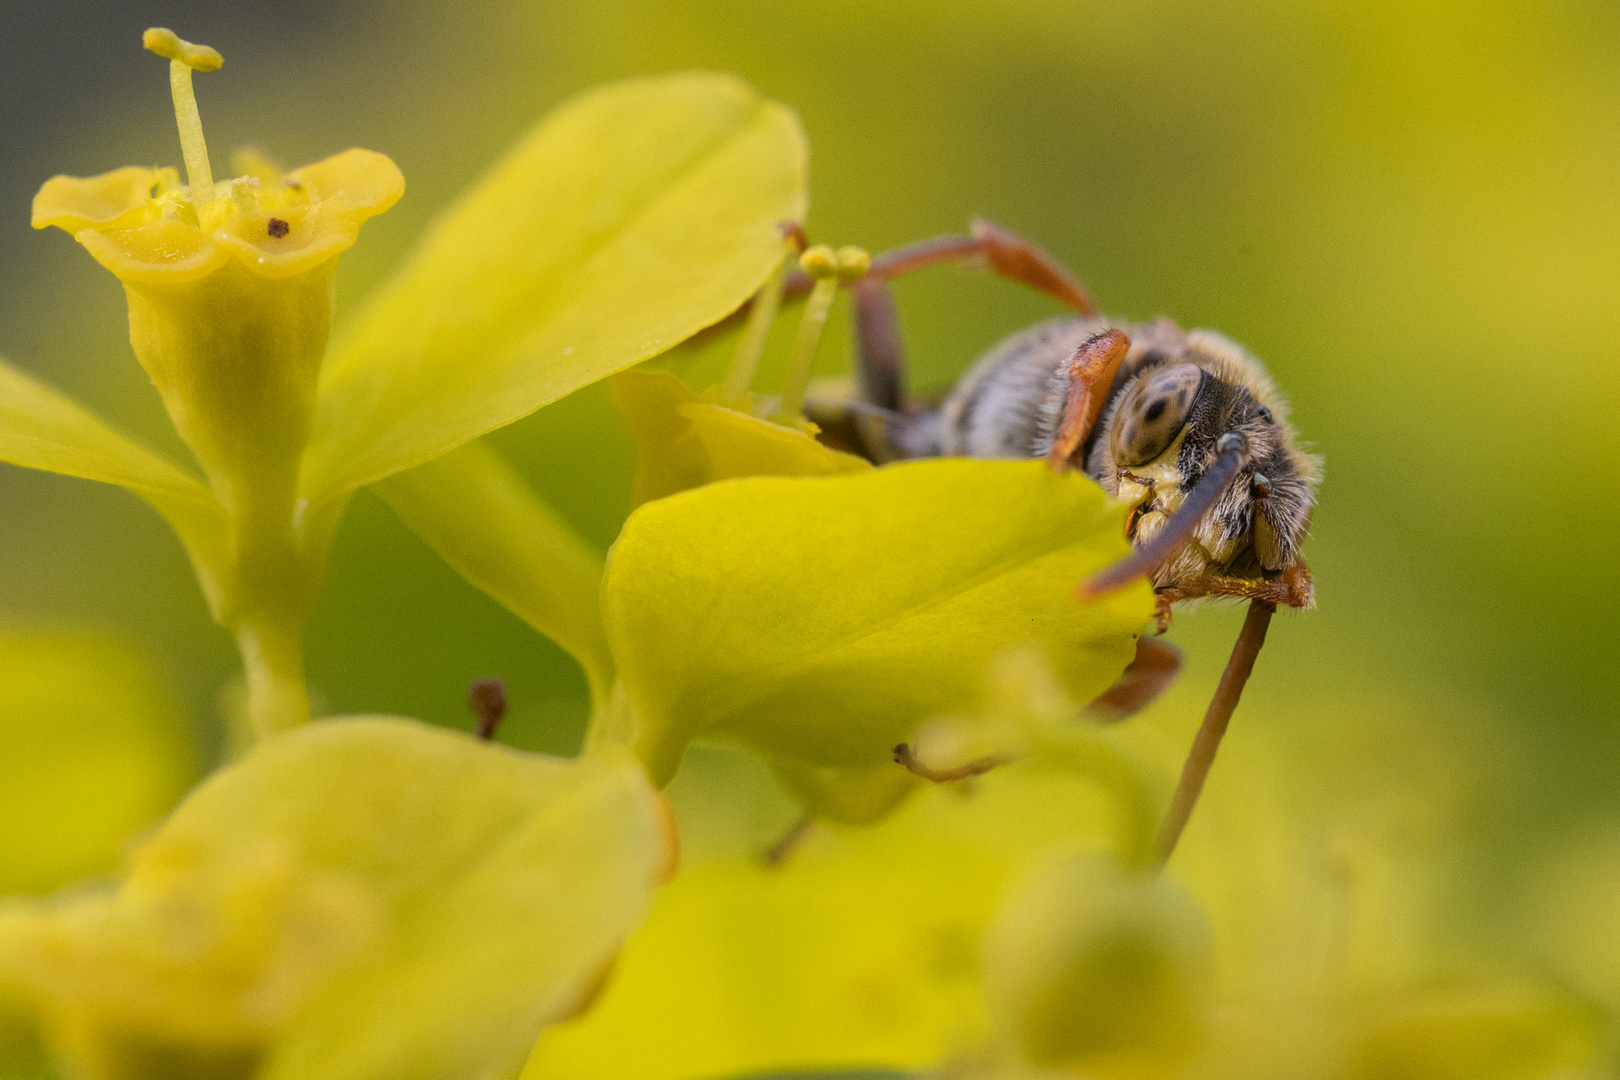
pixel 279 228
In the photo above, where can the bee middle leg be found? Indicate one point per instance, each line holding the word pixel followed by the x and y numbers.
pixel 1292 588
pixel 1155 667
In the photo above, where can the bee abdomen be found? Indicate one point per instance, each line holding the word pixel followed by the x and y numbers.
pixel 1010 403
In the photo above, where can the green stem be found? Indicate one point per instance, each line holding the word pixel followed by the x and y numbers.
pixel 811 323
pixel 1131 791
pixel 751 347
pixel 273 659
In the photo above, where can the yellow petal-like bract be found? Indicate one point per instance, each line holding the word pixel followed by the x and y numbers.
pixel 632 217
pixel 823 618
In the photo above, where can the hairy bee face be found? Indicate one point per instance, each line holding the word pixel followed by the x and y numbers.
pixel 1172 409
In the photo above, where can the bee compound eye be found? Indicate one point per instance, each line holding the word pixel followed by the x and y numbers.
pixel 1265 414
pixel 1155 412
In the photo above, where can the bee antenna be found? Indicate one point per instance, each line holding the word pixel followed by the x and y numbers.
pixel 1233 448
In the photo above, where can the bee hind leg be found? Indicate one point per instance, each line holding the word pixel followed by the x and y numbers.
pixel 1004 251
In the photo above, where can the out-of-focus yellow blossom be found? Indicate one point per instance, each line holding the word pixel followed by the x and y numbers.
pixel 365 899
pixel 631 218
pixel 963 933
pixel 91 750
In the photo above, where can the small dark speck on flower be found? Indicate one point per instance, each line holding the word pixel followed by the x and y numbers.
pixel 487 700
pixel 279 228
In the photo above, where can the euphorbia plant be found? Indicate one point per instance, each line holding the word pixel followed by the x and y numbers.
pixel 631 218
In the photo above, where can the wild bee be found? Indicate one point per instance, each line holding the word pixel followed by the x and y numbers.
pixel 1185 426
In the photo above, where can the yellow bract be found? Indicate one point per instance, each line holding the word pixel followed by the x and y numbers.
pixel 368 899
pixel 628 220
pixel 684 441
pixel 823 618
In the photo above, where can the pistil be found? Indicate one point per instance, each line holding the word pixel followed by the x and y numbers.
pixel 185 57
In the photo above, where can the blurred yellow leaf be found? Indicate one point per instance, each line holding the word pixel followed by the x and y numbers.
pixel 822 619
pixel 485 520
pixel 91 750
pixel 42 429
pixel 366 898
pixel 683 441
pixel 629 219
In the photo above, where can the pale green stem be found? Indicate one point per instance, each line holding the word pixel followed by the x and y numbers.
pixel 751 347
pixel 1135 821
pixel 811 324
pixel 192 146
pixel 613 722
pixel 273 659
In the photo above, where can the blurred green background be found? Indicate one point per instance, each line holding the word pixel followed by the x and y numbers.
pixel 1411 211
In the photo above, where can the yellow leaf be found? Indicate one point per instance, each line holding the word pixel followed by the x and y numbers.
pixel 822 619
pixel 484 519
pixel 631 218
pixel 42 429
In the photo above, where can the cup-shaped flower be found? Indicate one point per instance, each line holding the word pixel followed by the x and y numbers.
pixel 630 219
pixel 364 899
pixel 230 309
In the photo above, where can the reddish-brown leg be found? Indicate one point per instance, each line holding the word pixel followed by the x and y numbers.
pixel 880 357
pixel 1156 666
pixel 1216 719
pixel 1003 250
pixel 1091 373
pixel 1294 588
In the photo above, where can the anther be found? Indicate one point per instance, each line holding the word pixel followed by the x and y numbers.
pixel 169 45
pixel 487 700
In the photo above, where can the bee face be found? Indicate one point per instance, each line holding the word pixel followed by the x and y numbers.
pixel 1155 444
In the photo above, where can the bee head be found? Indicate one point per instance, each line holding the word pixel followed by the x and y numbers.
pixel 1166 434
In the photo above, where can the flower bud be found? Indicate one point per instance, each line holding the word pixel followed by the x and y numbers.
pixel 1099 970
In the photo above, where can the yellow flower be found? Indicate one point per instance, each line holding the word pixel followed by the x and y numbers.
pixel 633 217
pixel 361 899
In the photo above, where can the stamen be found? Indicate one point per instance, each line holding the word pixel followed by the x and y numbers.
pixel 828 268
pixel 183 57
pixel 751 347
pixel 487 700
pixel 1234 452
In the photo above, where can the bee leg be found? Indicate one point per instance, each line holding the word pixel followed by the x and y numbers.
pixel 1293 588
pixel 880 355
pixel 1007 253
pixel 1156 666
pixel 1091 372
pixel 1216 718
